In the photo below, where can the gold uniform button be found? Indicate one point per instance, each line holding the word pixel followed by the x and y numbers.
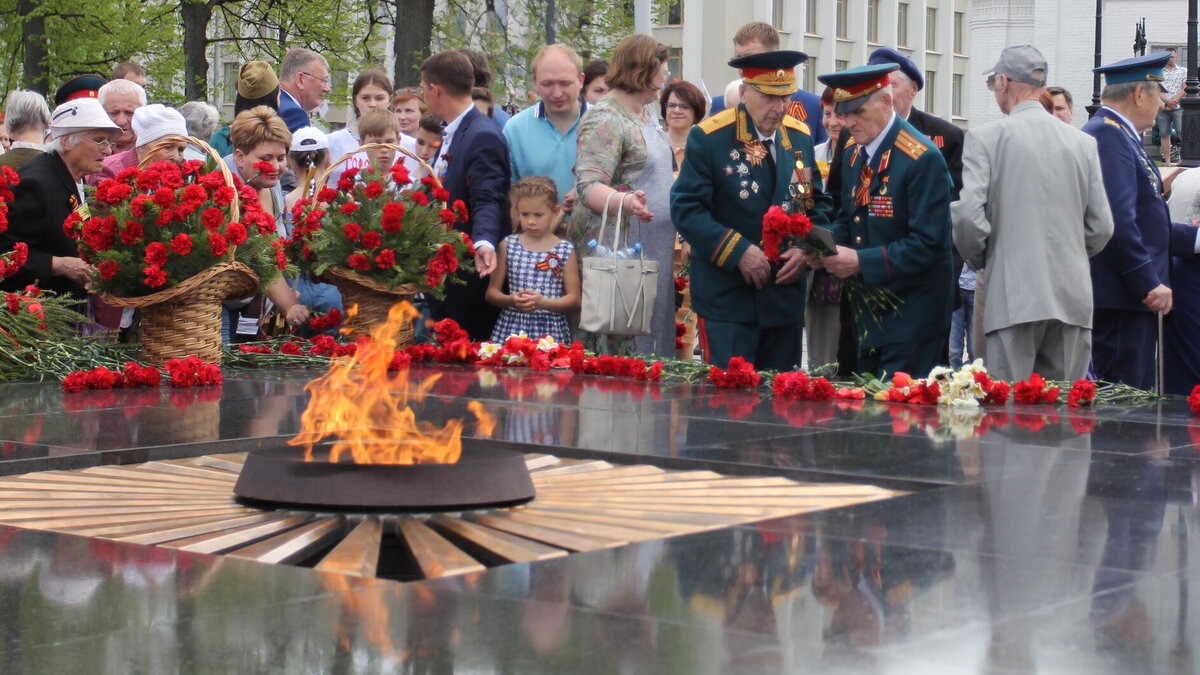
pixel 858 240
pixel 857 219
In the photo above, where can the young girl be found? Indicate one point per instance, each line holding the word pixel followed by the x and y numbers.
pixel 541 269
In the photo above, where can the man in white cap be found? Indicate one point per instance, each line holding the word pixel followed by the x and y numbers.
pixel 160 130
pixel 51 188
pixel 1037 315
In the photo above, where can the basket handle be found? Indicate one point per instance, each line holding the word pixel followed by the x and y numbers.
pixel 324 177
pixel 235 206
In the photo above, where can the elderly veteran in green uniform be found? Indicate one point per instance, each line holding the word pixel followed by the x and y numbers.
pixel 739 163
pixel 893 228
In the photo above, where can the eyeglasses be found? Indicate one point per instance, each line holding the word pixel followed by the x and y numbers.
pixel 328 82
pixel 679 106
pixel 102 143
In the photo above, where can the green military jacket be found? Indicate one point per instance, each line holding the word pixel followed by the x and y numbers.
pixel 900 225
pixel 718 201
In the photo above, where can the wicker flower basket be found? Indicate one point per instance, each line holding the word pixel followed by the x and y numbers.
pixel 186 319
pixel 373 299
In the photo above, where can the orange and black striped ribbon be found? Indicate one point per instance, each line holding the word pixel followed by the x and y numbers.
pixel 862 196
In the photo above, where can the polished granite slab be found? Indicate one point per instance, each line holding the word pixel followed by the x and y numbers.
pixel 1039 540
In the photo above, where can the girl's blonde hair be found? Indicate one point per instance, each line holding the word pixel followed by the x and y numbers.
pixel 535 187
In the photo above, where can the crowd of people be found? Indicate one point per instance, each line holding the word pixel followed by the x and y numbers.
pixel 1026 242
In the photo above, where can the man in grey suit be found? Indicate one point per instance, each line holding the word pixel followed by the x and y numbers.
pixel 1032 210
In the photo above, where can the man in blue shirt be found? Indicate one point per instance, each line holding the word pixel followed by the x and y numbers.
pixel 758 37
pixel 542 138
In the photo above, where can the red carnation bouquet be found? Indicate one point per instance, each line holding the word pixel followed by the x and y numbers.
pixel 386 228
pixel 779 226
pixel 150 229
pixel 15 259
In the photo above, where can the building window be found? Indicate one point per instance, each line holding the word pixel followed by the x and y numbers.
pixel 956 103
pixel 931 28
pixel 842 19
pixel 777 13
pixel 229 78
pixel 810 17
pixel 959 20
pixel 840 65
pixel 810 74
pixel 675 13
pixel 675 62
pixel 873 21
pixel 930 89
pixel 902 24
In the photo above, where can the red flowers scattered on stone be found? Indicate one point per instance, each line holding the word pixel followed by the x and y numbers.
pixel 1083 392
pixel 1034 390
pixel 739 374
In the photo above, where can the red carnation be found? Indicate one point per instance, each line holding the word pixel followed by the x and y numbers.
pixel 353 231
pixel 420 199
pixel 1083 392
pixel 327 195
pixel 155 276
pixel 281 260
pixel 441 194
pixel 373 190
pixel 223 196
pixel 217 244
pixel 212 218
pixel 164 197
pixel 371 239
pixel 349 207
pixel 131 232
pixel 1194 400
pixel 447 217
pixel 108 269
pixel 181 244
pixel 393 215
pixel 460 209
pixel 236 233
pixel 359 261
pixel 400 174
pixel 386 258
pixel 156 253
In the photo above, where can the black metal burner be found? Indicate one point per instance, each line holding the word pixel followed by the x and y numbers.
pixel 483 476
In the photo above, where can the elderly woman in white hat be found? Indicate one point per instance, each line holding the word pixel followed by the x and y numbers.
pixel 161 137
pixel 51 188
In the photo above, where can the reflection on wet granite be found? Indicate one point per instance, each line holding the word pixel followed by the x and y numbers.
pixel 1036 539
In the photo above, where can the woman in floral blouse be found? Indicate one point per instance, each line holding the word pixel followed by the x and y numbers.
pixel 623 149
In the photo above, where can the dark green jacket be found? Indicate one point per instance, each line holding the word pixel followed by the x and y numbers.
pixel 717 204
pixel 902 235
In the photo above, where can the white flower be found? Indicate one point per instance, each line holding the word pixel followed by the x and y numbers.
pixel 547 344
pixel 488 349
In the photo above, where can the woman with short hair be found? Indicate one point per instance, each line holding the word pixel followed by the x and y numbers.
pixel 624 160
pixel 201 119
pixel 26 118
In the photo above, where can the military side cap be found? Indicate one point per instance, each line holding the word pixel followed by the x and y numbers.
pixel 772 73
pixel 852 88
pixel 888 55
pixel 1147 68
pixel 256 79
pixel 84 86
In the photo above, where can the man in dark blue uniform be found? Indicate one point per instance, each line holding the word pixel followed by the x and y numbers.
pixel 1130 277
pixel 738 164
pixel 893 228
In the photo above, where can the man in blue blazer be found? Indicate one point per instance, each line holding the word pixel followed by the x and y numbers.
pixel 1130 277
pixel 758 37
pixel 304 81
pixel 473 166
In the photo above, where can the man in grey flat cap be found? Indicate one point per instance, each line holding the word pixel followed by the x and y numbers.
pixel 1032 210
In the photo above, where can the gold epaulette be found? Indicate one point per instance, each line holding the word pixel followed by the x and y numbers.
pixel 1109 120
pixel 793 123
pixel 909 145
pixel 718 121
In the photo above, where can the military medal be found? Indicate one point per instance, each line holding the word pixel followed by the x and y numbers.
pixel 734 155
pixel 728 170
pixel 744 194
pixel 755 152
pixel 754 187
pixel 743 170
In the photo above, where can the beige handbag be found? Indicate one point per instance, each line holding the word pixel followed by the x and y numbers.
pixel 618 293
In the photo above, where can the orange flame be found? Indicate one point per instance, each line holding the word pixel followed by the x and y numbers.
pixel 358 403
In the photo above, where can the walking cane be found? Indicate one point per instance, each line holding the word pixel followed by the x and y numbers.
pixel 1159 388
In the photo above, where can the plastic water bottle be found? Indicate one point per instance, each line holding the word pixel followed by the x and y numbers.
pixel 598 250
pixel 630 251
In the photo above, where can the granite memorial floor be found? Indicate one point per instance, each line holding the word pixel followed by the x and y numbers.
pixel 1044 540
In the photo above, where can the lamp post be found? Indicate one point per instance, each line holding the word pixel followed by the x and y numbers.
pixel 1095 105
pixel 1190 151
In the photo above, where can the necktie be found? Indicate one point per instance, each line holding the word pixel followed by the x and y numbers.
pixel 770 159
